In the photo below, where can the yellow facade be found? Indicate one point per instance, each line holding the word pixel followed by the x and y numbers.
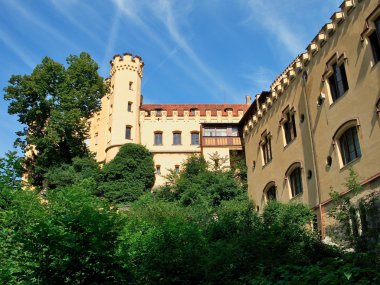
pixel 332 93
pixel 124 119
pixel 319 117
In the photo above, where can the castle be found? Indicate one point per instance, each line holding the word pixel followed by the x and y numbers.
pixel 320 117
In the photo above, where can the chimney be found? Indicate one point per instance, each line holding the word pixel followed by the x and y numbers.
pixel 248 100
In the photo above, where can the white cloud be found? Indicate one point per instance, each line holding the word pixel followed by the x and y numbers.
pixel 266 15
pixel 40 24
pixel 65 8
pixel 23 54
pixel 260 78
pixel 112 36
pixel 171 18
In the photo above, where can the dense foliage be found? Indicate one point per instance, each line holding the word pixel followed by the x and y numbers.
pixel 53 103
pixel 10 171
pixel 71 236
pixel 198 229
pixel 129 175
pixel 69 174
pixel 197 184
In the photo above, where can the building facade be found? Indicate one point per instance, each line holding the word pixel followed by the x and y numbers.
pixel 320 116
pixel 171 132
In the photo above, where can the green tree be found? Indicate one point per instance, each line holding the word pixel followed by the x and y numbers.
pixel 358 218
pixel 10 171
pixel 70 238
pixel 129 175
pixel 53 103
pixel 69 174
pixel 197 184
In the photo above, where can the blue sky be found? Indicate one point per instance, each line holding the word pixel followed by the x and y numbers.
pixel 200 51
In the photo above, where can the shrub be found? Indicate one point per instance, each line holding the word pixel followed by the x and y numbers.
pixel 70 238
pixel 128 175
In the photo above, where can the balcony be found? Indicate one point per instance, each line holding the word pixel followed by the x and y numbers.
pixel 225 141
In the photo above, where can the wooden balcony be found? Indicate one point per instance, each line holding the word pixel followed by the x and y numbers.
pixel 221 142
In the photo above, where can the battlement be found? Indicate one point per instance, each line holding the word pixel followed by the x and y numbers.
pixel 127 62
pixel 208 112
pixel 299 64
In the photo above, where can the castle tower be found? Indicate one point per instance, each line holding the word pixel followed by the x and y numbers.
pixel 123 103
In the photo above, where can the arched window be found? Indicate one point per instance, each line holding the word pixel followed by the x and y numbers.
pixel 270 192
pixel 295 181
pixel 294 177
pixel 349 145
pixel 347 141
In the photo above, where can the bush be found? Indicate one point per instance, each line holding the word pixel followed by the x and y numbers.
pixel 128 175
pixel 66 175
pixel 162 245
pixel 68 239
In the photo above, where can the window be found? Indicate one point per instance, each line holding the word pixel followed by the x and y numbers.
pixel 271 193
pixel 130 85
pixel 338 81
pixel 220 132
pixel 96 138
pixel 109 135
pixel 295 181
pixel 158 112
pixel 177 138
pixel 266 147
pixel 195 138
pixel 349 145
pixel 128 134
pixel 289 126
pixel 129 106
pixel 192 111
pixel 158 169
pixel 176 169
pixel 374 39
pixel 158 138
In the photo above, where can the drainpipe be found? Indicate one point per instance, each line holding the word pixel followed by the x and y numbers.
pixel 304 87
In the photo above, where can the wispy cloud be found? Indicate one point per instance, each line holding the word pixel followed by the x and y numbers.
pixel 173 28
pixel 266 15
pixel 66 10
pixel 165 13
pixel 112 36
pixel 32 18
pixel 259 78
pixel 23 54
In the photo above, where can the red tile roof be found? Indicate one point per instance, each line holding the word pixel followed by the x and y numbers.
pixel 199 107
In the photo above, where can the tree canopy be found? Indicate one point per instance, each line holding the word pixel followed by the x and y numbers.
pixel 53 103
pixel 129 175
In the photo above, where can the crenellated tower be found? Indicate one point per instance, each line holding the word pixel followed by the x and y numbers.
pixel 123 103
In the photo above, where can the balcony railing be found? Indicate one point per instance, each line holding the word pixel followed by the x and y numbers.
pixel 221 141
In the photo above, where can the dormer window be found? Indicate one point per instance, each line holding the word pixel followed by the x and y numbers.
pixel 192 111
pixel 158 112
